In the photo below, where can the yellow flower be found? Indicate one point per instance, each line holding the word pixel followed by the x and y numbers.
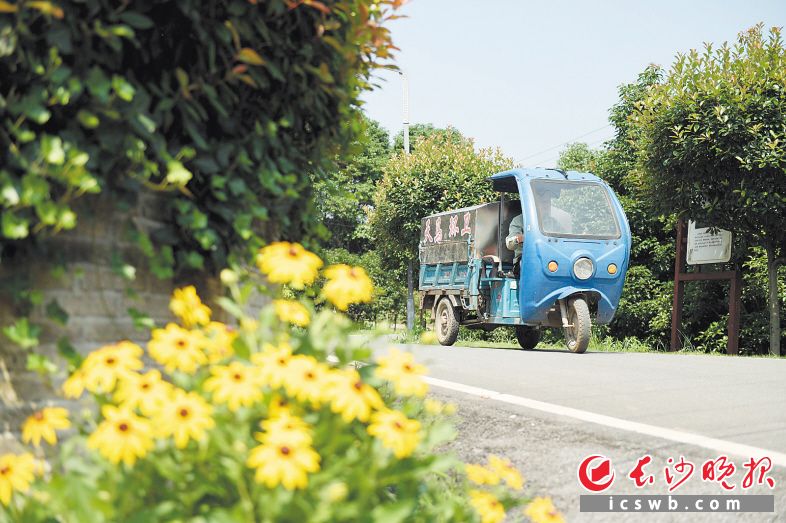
pixel 279 406
pixel 433 407
pixel 285 429
pixel 305 379
pixel 74 386
pixel 16 474
pixel 177 348
pixel 291 311
pixel 42 424
pixel 541 510
pixel 218 341
pixel 185 416
pixel 505 470
pixel 487 506
pixel 347 285
pixel 234 384
pixel 147 392
pixel 352 398
pixel 272 364
pixel 480 475
pixel 186 305
pixel 400 369
pixel 396 432
pixel 122 436
pixel 282 464
pixel 289 263
pixel 104 367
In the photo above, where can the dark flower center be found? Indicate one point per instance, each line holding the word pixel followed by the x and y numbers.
pixel 309 375
pixel 5 470
pixel 123 427
pixel 282 361
pixel 358 385
pixel 180 343
pixel 145 386
pixel 183 413
pixel 110 361
pixel 38 416
pixel 285 451
pixel 408 367
pixel 293 252
pixel 398 425
pixel 237 376
pixel 353 273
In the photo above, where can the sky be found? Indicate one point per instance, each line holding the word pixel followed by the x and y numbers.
pixel 530 77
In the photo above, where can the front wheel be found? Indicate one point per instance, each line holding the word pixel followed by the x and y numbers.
pixel 446 323
pixel 577 335
pixel 528 337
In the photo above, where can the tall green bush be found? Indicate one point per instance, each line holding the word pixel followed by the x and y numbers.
pixel 710 145
pixel 226 107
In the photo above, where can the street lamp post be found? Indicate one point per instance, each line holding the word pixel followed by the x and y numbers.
pixel 410 268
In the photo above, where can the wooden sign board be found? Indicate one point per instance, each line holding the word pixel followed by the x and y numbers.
pixel 706 247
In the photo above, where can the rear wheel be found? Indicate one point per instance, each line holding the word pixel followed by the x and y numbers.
pixel 446 322
pixel 577 336
pixel 528 337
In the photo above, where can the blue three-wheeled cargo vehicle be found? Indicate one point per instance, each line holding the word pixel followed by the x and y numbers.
pixel 552 252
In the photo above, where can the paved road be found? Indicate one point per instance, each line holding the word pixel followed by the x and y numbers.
pixel 734 400
pixel 741 400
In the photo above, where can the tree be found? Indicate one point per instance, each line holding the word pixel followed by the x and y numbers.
pixel 345 195
pixel 419 131
pixel 222 106
pixel 579 157
pixel 711 145
pixel 444 172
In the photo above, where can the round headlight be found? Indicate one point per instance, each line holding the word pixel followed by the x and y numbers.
pixel 552 266
pixel 583 268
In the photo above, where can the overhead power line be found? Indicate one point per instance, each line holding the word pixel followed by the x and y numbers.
pixel 572 140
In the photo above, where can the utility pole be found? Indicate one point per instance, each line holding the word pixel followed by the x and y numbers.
pixel 410 263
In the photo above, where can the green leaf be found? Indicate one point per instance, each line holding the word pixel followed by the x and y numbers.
pixel 177 174
pixel 40 364
pixel 56 313
pixel 122 269
pixel 69 353
pixel 122 88
pixel 23 333
pixel 141 320
pixel 47 212
pixel 14 227
pixel 230 306
pixel 88 119
pixel 122 31
pixel 393 512
pixel 38 113
pixel 52 149
pixel 136 20
pixel 66 218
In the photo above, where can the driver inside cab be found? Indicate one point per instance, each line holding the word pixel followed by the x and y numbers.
pixel 553 220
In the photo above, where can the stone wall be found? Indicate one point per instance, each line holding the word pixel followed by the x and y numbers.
pixel 95 298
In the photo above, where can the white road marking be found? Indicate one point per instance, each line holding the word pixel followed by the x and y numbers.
pixel 725 447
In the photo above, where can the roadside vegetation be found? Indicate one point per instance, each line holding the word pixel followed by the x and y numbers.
pixel 271 421
pixel 653 126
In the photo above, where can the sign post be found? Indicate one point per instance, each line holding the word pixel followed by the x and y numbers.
pixel 697 245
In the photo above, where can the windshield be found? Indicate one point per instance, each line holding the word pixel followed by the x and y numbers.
pixel 575 209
